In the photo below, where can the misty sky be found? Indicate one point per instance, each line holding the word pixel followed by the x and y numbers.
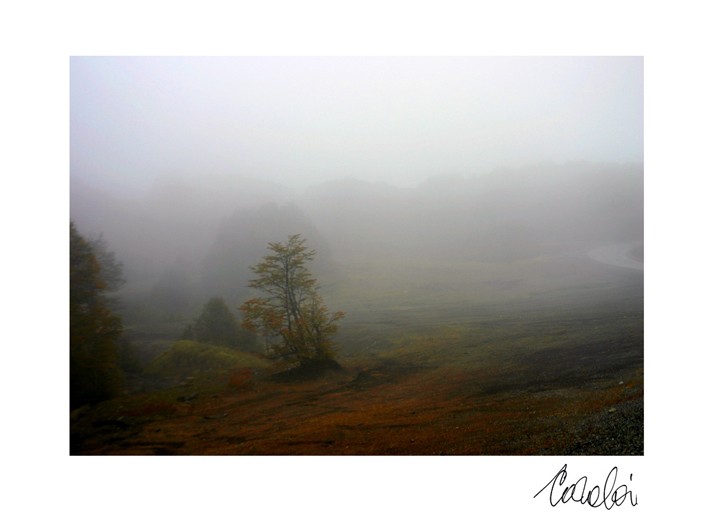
pixel 301 121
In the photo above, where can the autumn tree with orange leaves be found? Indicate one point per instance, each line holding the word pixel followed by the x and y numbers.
pixel 94 330
pixel 289 313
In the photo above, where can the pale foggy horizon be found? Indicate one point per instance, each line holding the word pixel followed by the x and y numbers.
pixel 189 167
pixel 301 121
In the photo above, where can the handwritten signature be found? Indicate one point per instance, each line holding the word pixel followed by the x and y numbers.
pixel 608 496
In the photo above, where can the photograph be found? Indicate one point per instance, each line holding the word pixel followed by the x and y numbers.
pixel 356 256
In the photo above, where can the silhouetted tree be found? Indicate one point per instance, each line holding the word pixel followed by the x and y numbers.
pixel 94 330
pixel 290 314
pixel 240 241
pixel 217 325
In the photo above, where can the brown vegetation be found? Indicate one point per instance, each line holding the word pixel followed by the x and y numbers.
pixel 378 407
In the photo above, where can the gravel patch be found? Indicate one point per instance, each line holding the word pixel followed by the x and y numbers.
pixel 617 431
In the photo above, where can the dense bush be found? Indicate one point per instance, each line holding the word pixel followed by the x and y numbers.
pixel 217 325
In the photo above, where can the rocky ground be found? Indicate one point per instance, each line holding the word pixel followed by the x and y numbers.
pixel 385 408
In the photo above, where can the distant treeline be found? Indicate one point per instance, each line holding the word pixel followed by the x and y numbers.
pixel 190 239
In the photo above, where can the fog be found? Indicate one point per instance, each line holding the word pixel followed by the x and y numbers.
pixel 302 121
pixel 190 166
pixel 478 228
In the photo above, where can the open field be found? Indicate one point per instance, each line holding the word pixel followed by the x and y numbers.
pixel 537 357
